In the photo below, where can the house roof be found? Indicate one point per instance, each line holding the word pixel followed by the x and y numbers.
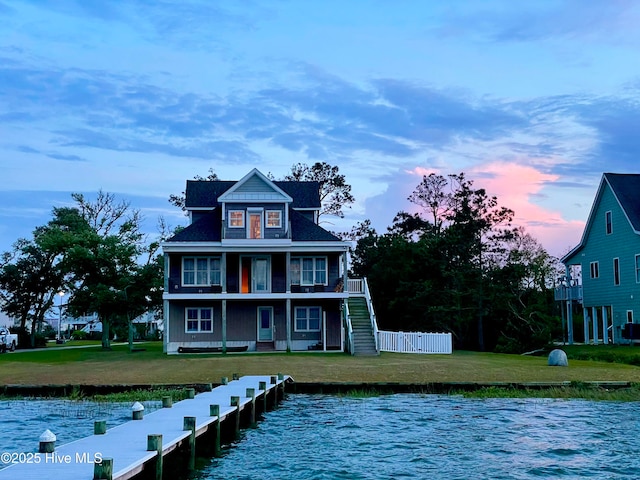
pixel 205 229
pixel 252 186
pixel 208 229
pixel 206 193
pixel 626 190
pixel 304 230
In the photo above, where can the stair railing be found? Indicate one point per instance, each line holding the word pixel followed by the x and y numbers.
pixel 347 320
pixel 372 313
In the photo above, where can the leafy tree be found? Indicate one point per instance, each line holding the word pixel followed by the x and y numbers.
pixel 459 266
pixel 335 192
pixel 28 285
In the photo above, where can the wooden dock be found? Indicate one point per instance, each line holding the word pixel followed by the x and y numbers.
pixel 165 439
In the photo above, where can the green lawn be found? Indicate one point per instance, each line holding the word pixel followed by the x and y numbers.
pixel 92 366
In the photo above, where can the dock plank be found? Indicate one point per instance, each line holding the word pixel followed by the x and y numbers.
pixel 127 443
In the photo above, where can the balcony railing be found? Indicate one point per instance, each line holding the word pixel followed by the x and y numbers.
pixel 564 293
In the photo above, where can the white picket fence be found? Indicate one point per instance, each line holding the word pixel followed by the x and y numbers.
pixel 415 342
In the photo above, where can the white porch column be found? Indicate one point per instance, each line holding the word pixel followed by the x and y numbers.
pixel 344 272
pixel 223 272
pixel 605 324
pixel 324 331
pixel 570 323
pixel 224 326
pixel 586 324
pixel 594 321
pixel 288 319
pixel 287 273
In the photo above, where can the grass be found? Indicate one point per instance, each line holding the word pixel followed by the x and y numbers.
pixel 92 366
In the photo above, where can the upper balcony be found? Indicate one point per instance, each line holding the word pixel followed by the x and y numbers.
pixel 568 293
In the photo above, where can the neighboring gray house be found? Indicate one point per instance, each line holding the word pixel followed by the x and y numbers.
pixel 254 270
pixel 609 257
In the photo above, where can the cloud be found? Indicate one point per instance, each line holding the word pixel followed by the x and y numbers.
pixel 613 21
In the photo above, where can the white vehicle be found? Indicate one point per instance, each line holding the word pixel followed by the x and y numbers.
pixel 8 341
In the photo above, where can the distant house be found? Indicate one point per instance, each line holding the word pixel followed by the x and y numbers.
pixel 609 257
pixel 254 271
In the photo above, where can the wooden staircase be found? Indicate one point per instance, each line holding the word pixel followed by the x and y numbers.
pixel 363 341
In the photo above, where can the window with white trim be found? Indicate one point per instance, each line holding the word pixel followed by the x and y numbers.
pixel 629 316
pixel 637 268
pixel 236 218
pixel 308 271
pixel 198 320
pixel 274 219
pixel 594 269
pixel 307 319
pixel 608 222
pixel 616 271
pixel 201 271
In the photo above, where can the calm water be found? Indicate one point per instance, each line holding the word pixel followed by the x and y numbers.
pixel 394 436
pixel 23 421
pixel 432 436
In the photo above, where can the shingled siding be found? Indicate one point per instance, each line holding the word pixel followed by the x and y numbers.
pixel 177 322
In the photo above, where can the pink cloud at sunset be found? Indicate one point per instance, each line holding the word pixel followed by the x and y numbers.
pixel 516 186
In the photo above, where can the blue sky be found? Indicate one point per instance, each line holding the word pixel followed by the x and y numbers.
pixel 534 100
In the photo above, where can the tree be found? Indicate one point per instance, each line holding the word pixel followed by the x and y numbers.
pixel 102 264
pixel 28 286
pixel 459 266
pixel 335 192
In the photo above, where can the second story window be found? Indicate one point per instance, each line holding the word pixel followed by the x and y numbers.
pixel 309 271
pixel 274 219
pixel 616 271
pixel 609 223
pixel 236 219
pixel 201 271
pixel 637 268
pixel 594 270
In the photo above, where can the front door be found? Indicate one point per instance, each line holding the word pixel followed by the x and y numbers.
pixel 265 324
pixel 261 274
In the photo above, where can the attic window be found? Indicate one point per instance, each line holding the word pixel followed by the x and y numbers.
pixel 274 219
pixel 609 222
pixel 236 219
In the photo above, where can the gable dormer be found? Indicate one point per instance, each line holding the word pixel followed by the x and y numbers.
pixel 255 208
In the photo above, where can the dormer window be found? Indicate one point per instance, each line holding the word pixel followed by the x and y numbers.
pixel 274 219
pixel 236 219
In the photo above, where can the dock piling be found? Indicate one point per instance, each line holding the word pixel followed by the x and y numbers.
pixel 47 442
pixel 224 381
pixel 214 411
pixel 263 386
pixel 190 424
pixel 167 402
pixel 154 444
pixel 103 470
pixel 191 393
pixel 99 427
pixel 251 393
pixel 236 376
pixel 235 402
pixel 137 411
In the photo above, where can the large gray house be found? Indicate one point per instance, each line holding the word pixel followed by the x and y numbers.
pixel 254 270
pixel 608 256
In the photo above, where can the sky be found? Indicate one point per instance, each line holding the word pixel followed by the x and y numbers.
pixel 532 100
